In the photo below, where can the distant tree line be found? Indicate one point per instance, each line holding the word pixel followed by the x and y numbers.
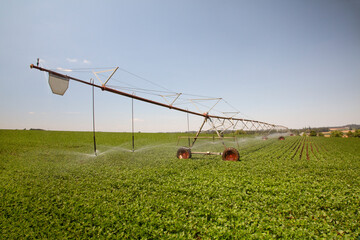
pixel 349 134
pixel 336 133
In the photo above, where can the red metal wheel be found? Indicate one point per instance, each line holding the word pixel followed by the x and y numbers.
pixel 230 154
pixel 281 138
pixel 183 153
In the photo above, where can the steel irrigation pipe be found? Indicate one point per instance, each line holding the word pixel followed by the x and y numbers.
pixel 105 88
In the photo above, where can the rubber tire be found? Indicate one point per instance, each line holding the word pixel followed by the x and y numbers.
pixel 183 153
pixel 281 138
pixel 230 154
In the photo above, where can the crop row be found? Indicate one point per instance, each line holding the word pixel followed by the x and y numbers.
pixel 298 148
pixel 299 188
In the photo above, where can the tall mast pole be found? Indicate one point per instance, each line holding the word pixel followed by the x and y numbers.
pixel 93 108
pixel 132 124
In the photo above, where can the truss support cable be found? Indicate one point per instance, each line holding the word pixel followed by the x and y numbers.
pixel 105 88
pixel 111 75
pixel 217 132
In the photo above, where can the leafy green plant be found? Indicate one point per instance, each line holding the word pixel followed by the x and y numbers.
pixel 349 134
pixel 53 186
pixel 313 133
pixel 336 134
pixel 357 133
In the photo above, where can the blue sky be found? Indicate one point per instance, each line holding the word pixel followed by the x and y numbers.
pixel 294 63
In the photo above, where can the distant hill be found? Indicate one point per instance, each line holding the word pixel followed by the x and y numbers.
pixel 350 126
pixel 353 126
pixel 327 129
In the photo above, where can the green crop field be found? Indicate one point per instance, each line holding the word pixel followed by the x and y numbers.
pixel 52 186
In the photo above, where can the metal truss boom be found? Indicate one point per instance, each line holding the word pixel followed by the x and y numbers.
pixel 207 116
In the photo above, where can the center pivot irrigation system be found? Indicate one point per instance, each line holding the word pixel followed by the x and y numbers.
pixel 219 124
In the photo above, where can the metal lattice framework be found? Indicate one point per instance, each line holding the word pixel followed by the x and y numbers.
pixel 220 124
